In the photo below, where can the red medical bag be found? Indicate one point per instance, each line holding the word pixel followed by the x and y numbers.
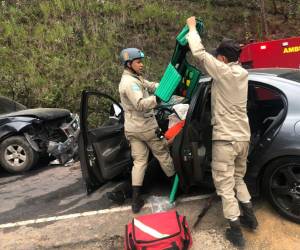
pixel 161 231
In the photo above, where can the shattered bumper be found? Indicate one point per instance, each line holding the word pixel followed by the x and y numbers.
pixel 65 151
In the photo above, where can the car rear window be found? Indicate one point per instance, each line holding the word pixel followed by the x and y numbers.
pixel 264 94
pixel 293 75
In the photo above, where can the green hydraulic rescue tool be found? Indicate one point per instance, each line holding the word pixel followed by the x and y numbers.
pixel 179 78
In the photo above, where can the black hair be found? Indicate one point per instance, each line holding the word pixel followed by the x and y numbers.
pixel 230 49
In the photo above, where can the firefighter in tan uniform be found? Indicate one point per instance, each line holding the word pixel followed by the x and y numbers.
pixel 231 131
pixel 140 123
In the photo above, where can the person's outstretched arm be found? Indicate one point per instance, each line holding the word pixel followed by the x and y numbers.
pixel 215 68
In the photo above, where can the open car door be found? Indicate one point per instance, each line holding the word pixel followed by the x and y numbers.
pixel 103 149
pixel 192 146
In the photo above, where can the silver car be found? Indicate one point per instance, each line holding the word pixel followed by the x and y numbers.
pixel 274 155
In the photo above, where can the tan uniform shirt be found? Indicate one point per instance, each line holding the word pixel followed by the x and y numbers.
pixel 229 94
pixel 136 102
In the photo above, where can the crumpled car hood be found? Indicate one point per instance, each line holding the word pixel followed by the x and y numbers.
pixel 40 113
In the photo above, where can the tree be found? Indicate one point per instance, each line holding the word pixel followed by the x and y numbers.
pixel 263 19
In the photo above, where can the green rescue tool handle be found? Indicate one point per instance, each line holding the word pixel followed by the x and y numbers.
pixel 174 189
pixel 181 36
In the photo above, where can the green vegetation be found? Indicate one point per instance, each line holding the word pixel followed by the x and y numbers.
pixel 50 50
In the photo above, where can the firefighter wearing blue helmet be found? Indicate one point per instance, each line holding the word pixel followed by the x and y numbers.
pixel 140 123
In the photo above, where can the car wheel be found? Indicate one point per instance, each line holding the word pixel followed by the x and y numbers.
pixel 16 154
pixel 281 183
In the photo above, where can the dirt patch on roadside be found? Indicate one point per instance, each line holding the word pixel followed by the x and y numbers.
pixel 112 242
pixel 274 232
pixel 115 242
pixel 211 240
pixel 106 232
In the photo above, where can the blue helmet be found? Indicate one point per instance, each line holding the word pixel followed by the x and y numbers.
pixel 130 54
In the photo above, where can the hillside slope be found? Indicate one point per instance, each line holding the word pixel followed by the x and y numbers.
pixel 51 50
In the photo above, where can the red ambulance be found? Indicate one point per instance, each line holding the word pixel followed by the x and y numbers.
pixel 284 53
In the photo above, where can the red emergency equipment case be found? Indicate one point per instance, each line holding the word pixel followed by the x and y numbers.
pixel 158 231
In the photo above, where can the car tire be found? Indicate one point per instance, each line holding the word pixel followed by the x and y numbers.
pixel 16 155
pixel 281 184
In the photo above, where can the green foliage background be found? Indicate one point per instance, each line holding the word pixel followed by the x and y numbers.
pixel 50 50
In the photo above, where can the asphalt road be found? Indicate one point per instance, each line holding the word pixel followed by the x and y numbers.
pixel 59 190
pixel 48 191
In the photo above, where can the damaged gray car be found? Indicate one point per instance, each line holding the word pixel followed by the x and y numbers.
pixel 28 136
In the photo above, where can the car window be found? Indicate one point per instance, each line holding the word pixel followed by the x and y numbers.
pixel 7 105
pixel 265 105
pixel 102 112
pixel 264 94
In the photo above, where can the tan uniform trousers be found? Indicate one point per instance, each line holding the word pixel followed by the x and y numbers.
pixel 140 144
pixel 229 165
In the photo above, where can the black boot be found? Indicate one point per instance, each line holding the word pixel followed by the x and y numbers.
pixel 248 218
pixel 137 201
pixel 234 234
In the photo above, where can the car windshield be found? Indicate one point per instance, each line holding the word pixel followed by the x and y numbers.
pixel 7 106
pixel 293 75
